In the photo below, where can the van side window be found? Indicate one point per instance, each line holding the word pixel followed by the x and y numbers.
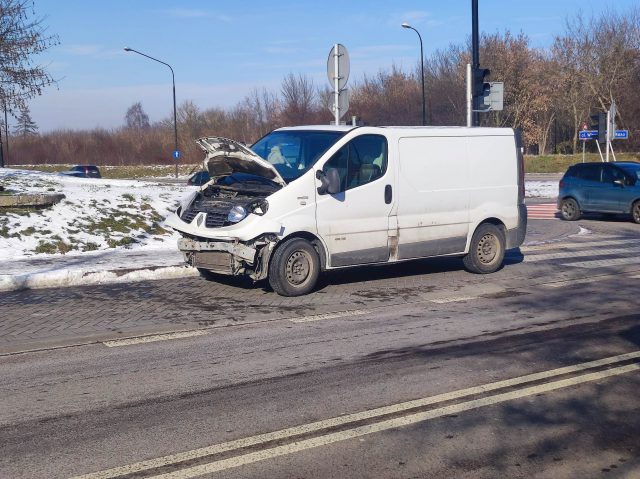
pixel 361 161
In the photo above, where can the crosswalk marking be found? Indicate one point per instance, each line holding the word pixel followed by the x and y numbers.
pixel 542 211
pixel 581 253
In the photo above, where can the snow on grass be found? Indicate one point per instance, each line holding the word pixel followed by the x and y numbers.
pixel 541 189
pixel 97 214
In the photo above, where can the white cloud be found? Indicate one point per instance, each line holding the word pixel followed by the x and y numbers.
pixel 196 13
pixel 380 50
pixel 88 49
pixel 106 107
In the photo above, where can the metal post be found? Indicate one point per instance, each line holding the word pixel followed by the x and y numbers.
pixel 607 144
pixel 600 150
pixel 469 96
pixel 424 107
pixel 475 50
pixel 336 84
pixel 6 134
pixel 173 80
pixel 613 153
pixel 1 151
pixel 584 142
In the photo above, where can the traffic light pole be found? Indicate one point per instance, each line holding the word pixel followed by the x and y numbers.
pixel 469 96
pixel 475 52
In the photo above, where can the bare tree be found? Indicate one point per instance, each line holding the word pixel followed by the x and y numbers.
pixel 298 99
pixel 136 118
pixel 21 38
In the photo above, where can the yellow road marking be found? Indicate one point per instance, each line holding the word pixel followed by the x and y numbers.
pixel 388 424
pixel 454 299
pixel 336 314
pixel 349 418
pixel 155 337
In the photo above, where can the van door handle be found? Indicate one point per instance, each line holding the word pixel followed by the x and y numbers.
pixel 387 194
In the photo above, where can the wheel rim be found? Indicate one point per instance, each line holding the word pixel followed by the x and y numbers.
pixel 298 267
pixel 636 213
pixel 488 248
pixel 568 209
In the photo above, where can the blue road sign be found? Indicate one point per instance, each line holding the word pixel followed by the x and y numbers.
pixel 177 154
pixel 621 135
pixel 588 134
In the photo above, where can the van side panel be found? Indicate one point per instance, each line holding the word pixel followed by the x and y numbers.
pixel 494 188
pixel 433 196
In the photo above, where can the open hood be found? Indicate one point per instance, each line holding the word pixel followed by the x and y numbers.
pixel 225 156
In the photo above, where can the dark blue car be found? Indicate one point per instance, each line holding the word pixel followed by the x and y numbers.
pixel 600 188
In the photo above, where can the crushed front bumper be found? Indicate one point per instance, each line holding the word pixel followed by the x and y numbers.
pixel 229 257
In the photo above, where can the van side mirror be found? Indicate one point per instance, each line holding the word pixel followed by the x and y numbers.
pixel 330 181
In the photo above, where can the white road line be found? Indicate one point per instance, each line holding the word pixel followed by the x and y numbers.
pixel 337 314
pixel 593 279
pixel 403 421
pixel 600 263
pixel 454 299
pixel 578 244
pixel 349 418
pixel 566 255
pixel 153 338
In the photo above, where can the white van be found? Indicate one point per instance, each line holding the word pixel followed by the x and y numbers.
pixel 306 199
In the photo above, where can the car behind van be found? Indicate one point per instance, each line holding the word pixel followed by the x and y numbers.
pixel 303 200
pixel 612 188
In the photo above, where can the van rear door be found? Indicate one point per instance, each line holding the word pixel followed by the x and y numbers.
pixel 433 196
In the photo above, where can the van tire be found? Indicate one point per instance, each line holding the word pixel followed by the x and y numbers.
pixel 570 210
pixel 486 251
pixel 635 212
pixel 294 268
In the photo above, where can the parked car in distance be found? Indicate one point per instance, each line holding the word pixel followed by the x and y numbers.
pixel 600 188
pixel 83 171
pixel 199 178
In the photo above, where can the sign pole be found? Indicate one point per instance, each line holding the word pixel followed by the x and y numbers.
pixel 600 151
pixel 584 142
pixel 608 143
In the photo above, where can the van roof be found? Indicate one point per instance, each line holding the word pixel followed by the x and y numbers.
pixel 447 130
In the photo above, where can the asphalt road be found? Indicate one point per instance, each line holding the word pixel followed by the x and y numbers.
pixel 419 370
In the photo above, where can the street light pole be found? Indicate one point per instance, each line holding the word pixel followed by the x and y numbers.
pixel 424 110
pixel 175 118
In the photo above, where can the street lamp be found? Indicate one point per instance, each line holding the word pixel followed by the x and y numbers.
pixel 175 121
pixel 424 114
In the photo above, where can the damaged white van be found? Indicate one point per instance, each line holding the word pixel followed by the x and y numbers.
pixel 306 199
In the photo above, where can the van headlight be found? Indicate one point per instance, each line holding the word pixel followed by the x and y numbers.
pixel 237 213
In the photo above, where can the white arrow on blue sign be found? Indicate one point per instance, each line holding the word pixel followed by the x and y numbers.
pixel 588 134
pixel 621 135
pixel 177 154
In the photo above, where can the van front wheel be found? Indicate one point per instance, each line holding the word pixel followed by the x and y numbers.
pixel 294 268
pixel 486 251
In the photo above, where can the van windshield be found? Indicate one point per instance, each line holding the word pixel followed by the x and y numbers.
pixel 292 153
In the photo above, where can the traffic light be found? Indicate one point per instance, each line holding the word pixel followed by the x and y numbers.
pixel 599 123
pixel 481 88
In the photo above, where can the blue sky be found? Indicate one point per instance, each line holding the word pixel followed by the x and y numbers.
pixel 220 50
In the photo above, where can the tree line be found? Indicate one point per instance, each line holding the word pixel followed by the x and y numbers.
pixel 549 94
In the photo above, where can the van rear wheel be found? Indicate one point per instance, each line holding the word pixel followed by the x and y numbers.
pixel 486 251
pixel 294 268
